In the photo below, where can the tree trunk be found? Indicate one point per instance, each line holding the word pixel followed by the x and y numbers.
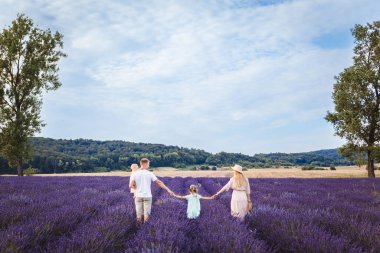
pixel 20 171
pixel 370 164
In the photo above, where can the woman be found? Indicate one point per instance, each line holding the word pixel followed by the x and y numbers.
pixel 241 195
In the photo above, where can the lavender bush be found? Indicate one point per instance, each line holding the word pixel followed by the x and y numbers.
pixel 96 214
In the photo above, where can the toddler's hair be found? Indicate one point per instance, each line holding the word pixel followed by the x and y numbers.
pixel 193 188
pixel 134 166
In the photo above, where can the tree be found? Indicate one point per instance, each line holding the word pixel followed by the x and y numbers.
pixel 357 96
pixel 28 66
pixel 353 153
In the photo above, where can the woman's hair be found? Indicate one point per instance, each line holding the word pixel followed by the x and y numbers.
pixel 193 188
pixel 240 179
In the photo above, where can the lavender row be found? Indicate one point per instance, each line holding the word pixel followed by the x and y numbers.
pixel 96 214
pixel 322 215
pixel 165 230
pixel 58 218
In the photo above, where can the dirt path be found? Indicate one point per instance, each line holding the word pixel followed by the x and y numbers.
pixel 346 171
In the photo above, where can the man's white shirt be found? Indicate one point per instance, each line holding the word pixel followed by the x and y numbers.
pixel 143 179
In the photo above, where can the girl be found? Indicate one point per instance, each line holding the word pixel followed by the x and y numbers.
pixel 193 203
pixel 241 195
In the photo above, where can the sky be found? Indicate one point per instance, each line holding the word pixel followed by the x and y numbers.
pixel 220 75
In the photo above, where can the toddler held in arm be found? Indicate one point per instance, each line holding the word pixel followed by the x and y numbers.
pixel 134 168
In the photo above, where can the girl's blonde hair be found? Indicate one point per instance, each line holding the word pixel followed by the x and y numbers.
pixel 193 188
pixel 240 179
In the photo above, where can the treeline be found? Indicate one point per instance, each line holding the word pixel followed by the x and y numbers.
pixel 328 157
pixel 82 155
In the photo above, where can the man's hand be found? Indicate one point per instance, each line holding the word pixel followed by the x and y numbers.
pixel 132 184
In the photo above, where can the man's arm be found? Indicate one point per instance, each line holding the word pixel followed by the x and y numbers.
pixel 163 186
pixel 132 184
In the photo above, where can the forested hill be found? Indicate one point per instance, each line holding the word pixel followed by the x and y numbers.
pixel 84 155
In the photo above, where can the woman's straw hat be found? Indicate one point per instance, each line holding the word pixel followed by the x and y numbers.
pixel 237 168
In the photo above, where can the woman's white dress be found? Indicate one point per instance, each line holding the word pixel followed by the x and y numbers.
pixel 239 201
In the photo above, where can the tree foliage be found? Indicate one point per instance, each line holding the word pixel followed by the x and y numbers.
pixel 28 66
pixel 357 96
pixel 81 155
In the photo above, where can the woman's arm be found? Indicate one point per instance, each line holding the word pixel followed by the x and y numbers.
pixel 248 192
pixel 219 192
pixel 249 204
pixel 248 187
pixel 224 188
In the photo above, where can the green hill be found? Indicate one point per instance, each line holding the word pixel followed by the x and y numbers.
pixel 82 155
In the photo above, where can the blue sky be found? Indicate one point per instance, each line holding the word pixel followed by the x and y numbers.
pixel 236 76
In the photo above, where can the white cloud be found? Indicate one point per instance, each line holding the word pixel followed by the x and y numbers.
pixel 218 75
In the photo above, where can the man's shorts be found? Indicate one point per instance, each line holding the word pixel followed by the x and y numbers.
pixel 143 206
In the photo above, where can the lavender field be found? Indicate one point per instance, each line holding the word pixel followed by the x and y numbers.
pixel 96 214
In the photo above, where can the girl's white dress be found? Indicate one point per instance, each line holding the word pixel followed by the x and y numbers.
pixel 193 205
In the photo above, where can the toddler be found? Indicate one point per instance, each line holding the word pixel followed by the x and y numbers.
pixel 134 167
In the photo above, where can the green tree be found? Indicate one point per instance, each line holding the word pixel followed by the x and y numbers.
pixel 353 153
pixel 28 67
pixel 357 96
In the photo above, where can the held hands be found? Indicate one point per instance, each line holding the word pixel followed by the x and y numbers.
pixel 174 195
pixel 171 192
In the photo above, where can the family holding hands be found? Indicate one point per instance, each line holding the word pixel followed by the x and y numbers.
pixel 140 185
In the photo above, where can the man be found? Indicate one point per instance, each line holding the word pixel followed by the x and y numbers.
pixel 141 181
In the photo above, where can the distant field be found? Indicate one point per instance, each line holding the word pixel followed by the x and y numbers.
pixel 341 171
